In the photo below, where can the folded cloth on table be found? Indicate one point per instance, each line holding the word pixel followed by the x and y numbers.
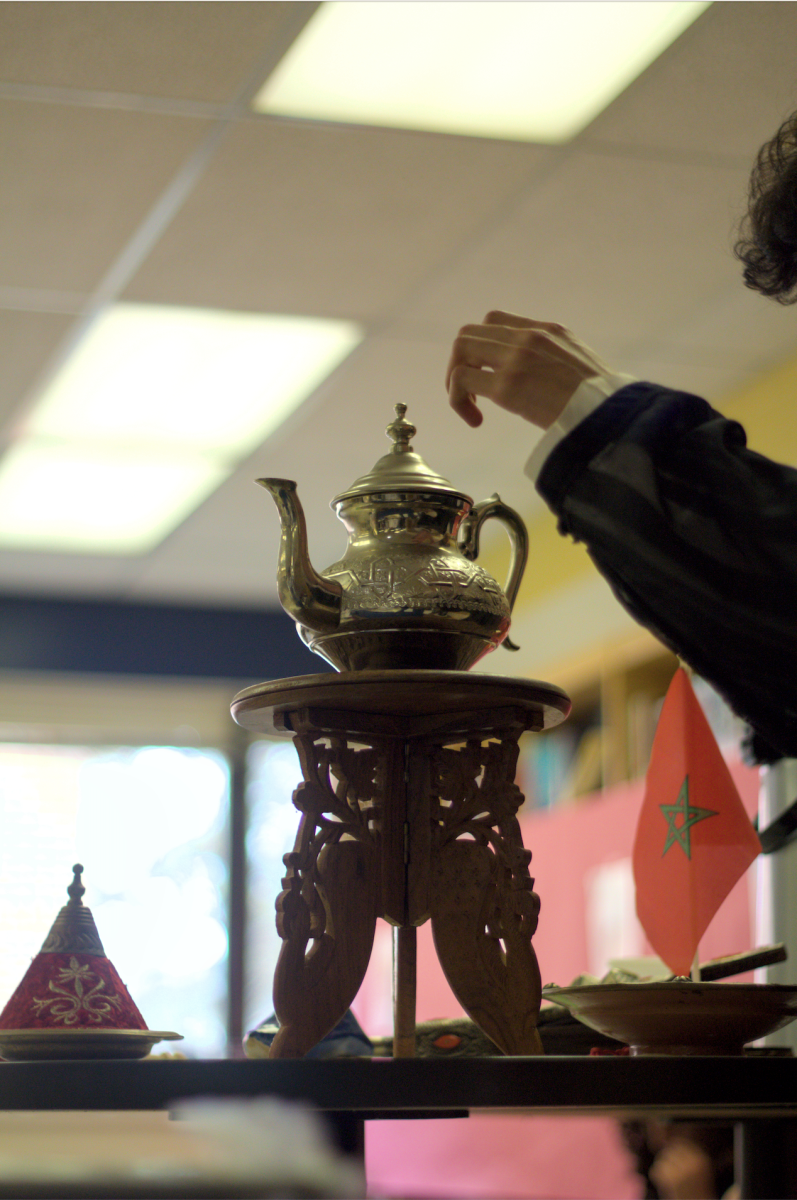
pixel 346 1040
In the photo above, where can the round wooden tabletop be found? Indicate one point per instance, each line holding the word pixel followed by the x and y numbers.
pixel 397 693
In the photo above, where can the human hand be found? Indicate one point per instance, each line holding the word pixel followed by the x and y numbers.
pixel 531 368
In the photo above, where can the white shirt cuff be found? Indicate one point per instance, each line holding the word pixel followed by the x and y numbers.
pixel 585 399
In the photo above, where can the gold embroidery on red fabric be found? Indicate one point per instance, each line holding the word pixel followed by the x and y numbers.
pixel 72 997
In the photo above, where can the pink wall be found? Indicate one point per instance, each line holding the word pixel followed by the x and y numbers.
pixel 518 1156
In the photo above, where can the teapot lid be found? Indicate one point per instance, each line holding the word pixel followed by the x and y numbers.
pixel 401 469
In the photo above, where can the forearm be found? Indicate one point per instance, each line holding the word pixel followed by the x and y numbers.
pixel 586 399
pixel 696 535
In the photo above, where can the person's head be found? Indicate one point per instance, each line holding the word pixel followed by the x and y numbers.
pixel 767 242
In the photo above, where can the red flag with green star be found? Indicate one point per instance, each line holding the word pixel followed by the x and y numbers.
pixel 694 838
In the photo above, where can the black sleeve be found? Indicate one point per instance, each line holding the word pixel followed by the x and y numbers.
pixel 697 536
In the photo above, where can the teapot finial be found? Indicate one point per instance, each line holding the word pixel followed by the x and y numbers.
pixel 402 432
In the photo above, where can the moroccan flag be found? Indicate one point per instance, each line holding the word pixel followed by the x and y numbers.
pixel 694 838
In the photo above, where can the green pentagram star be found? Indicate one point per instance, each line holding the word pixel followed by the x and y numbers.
pixel 680 833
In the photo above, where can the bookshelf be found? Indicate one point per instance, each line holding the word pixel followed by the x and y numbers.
pixel 616 694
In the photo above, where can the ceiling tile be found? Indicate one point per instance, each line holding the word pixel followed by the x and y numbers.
pixel 75 183
pixel 625 235
pixel 721 89
pixel 332 221
pixel 612 248
pixel 740 330
pixel 27 340
pixel 187 51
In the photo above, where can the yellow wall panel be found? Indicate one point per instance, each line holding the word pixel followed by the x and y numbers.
pixel 767 407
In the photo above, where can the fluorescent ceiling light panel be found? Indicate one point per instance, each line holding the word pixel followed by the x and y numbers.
pixel 523 71
pixel 154 409
pixel 216 381
pixel 75 498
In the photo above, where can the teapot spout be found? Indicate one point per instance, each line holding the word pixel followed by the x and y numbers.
pixel 305 595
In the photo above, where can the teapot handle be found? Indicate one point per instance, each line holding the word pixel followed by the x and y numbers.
pixel 469 543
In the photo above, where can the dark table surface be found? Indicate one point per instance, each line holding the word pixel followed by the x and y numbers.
pixel 728 1088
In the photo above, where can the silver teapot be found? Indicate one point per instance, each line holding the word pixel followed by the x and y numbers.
pixel 407 593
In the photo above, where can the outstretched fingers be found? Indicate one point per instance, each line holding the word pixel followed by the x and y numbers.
pixel 480 345
pixel 488 361
pixel 527 367
pixel 464 385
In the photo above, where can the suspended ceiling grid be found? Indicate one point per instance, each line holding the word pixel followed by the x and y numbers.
pixel 133 168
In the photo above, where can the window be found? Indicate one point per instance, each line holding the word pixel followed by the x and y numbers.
pixel 150 824
pixel 273 772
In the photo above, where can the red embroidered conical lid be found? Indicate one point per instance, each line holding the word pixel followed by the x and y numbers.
pixel 71 984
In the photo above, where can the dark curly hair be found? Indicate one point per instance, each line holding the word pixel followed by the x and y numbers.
pixel 767 243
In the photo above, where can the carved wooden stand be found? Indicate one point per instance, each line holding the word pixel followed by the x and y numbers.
pixel 408 812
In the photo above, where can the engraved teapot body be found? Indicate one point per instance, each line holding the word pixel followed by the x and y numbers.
pixel 407 592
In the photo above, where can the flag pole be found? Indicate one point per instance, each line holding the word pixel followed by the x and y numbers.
pixel 695 972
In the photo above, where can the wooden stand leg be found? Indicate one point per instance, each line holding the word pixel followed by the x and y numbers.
pixel 484 909
pixel 326 912
pixel 404 988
